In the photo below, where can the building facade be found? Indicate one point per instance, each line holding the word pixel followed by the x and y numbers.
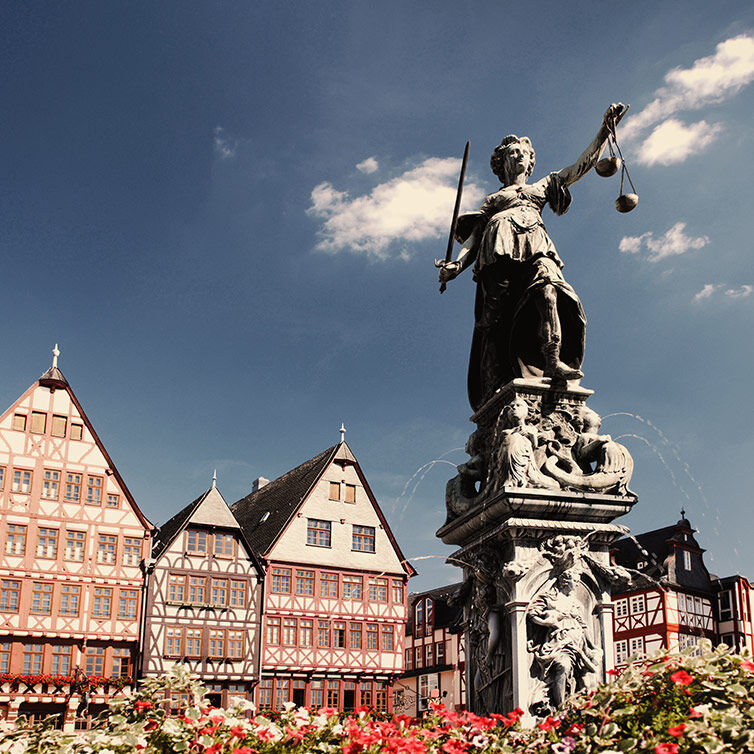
pixel 73 540
pixel 334 604
pixel 435 668
pixel 735 598
pixel 203 600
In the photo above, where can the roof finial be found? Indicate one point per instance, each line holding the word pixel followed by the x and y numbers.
pixel 214 479
pixel 55 354
pixel 342 431
pixel 683 513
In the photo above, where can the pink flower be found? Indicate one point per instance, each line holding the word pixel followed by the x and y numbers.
pixel 238 731
pixel 666 749
pixel 681 678
pixel 694 713
pixel 677 730
pixel 748 665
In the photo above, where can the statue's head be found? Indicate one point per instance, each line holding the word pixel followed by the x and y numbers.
pixel 516 411
pixel 568 581
pixel 590 420
pixel 502 152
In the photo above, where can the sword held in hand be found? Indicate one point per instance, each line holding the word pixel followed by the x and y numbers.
pixel 454 221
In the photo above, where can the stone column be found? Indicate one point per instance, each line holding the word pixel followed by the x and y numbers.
pixel 520 660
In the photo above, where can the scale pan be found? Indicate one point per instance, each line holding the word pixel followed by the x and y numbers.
pixel 626 202
pixel 607 166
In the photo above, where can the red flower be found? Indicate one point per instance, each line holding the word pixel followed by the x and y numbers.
pixel 140 706
pixel 244 750
pixel 613 672
pixel 214 749
pixel 517 714
pixel 666 749
pixel 151 725
pixel 677 730
pixel 748 665
pixel 237 731
pixel 694 713
pixel 455 747
pixel 681 678
pixel 575 729
pixel 549 724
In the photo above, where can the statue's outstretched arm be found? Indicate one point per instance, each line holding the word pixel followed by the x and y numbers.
pixel 591 154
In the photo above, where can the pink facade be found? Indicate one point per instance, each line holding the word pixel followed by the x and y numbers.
pixel 72 542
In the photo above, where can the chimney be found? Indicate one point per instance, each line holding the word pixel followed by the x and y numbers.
pixel 258 483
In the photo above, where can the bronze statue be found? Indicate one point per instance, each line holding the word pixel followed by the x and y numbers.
pixel 529 321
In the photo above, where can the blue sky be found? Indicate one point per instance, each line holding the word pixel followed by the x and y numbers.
pixel 226 214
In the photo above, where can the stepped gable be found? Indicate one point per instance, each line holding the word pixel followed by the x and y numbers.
pixel 280 499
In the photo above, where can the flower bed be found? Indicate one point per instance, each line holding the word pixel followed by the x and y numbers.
pixel 670 704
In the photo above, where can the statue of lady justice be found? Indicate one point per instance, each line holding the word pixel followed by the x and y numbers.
pixel 529 321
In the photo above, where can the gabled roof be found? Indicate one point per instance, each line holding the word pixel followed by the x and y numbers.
pixel 210 510
pixel 264 514
pixel 445 614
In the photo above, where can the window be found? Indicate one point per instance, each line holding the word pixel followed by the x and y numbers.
pixel 21 481
pixel 333 694
pixel 131 551
pixel 363 538
pixel 216 643
pixel 353 587
pixel 381 698
pixel 193 641
pixel 196 541
pixel 273 630
pixel 33 654
pixel 2 477
pixel 378 590
pixel 59 425
pixel 289 632
pixel 9 594
pixel 621 608
pixel 113 501
pixel 219 592
pixel 38 422
pixel 339 634
pixel 102 604
pixel 419 618
pixel 636 647
pixel 315 694
pixel 419 656
pixel 388 643
pixel 334 490
pixel 128 600
pixel 47 543
pixel 637 604
pixel 15 543
pixel 440 652
pixel 224 545
pixel 408 659
pixel 19 422
pixel 174 641
pixel 121 662
pixel 70 596
pixel 106 548
pixel 265 693
pixel 350 493
pixel 429 654
pixel 61 659
pixel 197 586
pixel 77 431
pixel 328 585
pixel 398 592
pixel 235 644
pixel 73 488
pixel 281 580
pixel 372 636
pixel 323 633
pixel 305 633
pixel 726 609
pixel 237 593
pixel 367 695
pixel 95 660
pixel 93 490
pixel 686 560
pixel 318 533
pixel 305 583
pixel 5 657
pixel 74 545
pixel 41 598
pixel 51 484
pixel 354 638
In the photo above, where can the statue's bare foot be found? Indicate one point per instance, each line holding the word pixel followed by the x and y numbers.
pixel 560 372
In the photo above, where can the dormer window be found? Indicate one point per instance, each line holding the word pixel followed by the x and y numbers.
pixel 687 560
pixel 196 542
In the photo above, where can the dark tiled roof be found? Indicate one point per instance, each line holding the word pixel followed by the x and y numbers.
pixel 446 615
pixel 168 531
pixel 53 375
pixel 281 499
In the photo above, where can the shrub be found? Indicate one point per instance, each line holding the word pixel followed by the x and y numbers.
pixel 668 704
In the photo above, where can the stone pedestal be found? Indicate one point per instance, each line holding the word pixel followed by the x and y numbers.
pixel 532 514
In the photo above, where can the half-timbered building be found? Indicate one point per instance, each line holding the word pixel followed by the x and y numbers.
pixel 678 611
pixel 203 608
pixel 72 542
pixel 735 620
pixel 434 655
pixel 335 586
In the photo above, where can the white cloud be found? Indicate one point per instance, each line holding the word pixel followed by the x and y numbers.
pixel 707 291
pixel 708 81
pixel 672 141
pixel 225 147
pixel 671 243
pixel 414 206
pixel 368 166
pixel 741 292
pixel 710 289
